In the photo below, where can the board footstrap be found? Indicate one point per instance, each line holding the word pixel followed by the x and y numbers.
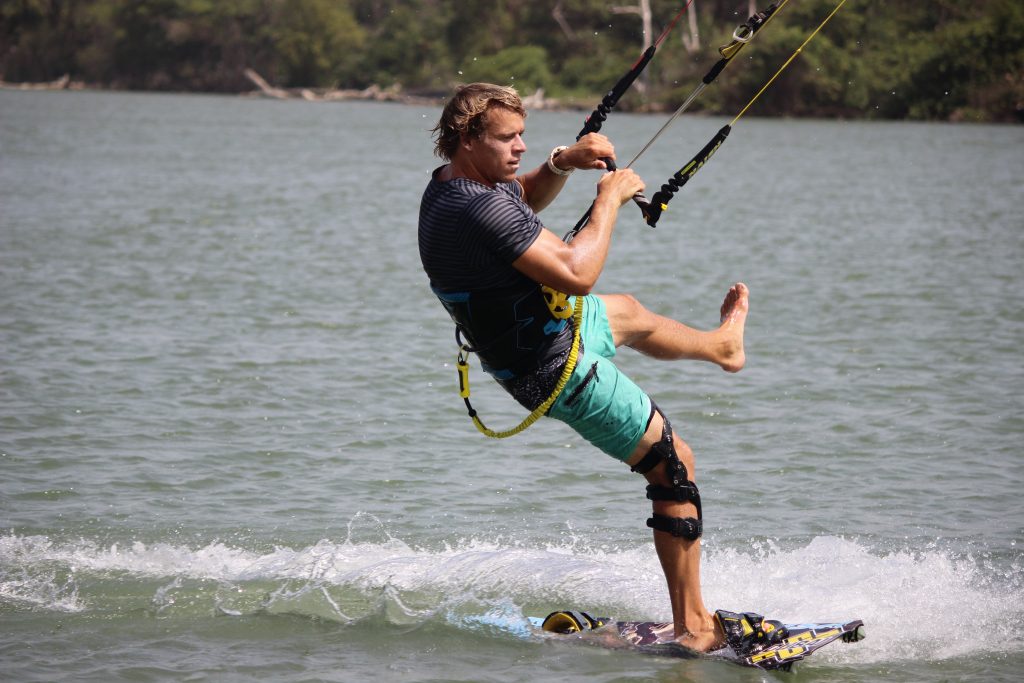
pixel 566 621
pixel 749 633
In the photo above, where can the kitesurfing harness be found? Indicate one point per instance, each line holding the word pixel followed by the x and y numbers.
pixel 559 309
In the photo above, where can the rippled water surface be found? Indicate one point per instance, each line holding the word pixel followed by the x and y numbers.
pixel 231 445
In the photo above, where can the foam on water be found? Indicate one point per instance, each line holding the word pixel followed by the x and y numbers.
pixel 924 606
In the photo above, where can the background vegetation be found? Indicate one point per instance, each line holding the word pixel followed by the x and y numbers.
pixel 936 60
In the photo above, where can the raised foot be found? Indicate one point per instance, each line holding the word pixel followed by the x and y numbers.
pixel 733 318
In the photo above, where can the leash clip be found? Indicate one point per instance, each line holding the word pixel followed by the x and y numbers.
pixel 462 366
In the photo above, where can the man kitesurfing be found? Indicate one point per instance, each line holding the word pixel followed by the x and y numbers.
pixel 504 279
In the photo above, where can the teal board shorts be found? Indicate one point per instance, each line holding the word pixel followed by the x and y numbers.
pixel 601 403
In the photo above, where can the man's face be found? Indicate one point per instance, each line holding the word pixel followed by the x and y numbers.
pixel 496 154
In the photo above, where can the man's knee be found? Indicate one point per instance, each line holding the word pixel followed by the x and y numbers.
pixel 685 455
pixel 627 317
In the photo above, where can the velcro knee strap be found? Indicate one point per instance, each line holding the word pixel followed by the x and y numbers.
pixel 689 528
pixel 682 490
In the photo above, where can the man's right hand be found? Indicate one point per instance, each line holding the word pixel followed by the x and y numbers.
pixel 620 185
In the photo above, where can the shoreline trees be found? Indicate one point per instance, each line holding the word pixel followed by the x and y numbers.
pixel 877 59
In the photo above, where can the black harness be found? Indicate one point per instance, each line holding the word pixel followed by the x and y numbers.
pixel 513 331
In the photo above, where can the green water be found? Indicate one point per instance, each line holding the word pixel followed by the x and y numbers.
pixel 231 447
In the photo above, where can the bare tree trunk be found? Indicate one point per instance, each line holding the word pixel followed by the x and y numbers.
pixel 645 15
pixel 643 8
pixel 692 41
pixel 559 16
pixel 267 89
pixel 62 83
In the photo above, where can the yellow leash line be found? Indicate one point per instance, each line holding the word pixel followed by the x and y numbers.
pixel 791 58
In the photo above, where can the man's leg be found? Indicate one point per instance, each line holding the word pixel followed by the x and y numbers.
pixel 660 337
pixel 696 628
pixel 663 338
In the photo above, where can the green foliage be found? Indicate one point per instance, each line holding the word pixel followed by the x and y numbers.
pixel 592 73
pixel 971 67
pixel 524 67
pixel 316 42
pixel 404 48
pixel 878 59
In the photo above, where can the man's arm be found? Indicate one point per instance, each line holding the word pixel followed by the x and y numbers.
pixel 574 268
pixel 541 186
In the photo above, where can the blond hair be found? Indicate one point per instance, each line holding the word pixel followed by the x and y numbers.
pixel 466 114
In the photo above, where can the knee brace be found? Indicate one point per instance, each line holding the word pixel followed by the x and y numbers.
pixel 682 490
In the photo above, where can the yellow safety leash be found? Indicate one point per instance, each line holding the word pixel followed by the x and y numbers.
pixel 462 365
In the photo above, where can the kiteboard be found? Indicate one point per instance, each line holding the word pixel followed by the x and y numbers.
pixel 789 644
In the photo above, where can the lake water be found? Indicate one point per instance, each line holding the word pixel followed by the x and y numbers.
pixel 231 445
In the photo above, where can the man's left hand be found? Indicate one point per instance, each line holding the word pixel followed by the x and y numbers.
pixel 588 152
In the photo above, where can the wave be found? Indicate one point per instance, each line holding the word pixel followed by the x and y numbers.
pixel 924 606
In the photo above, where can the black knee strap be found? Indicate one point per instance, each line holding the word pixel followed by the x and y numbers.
pixel 689 528
pixel 682 489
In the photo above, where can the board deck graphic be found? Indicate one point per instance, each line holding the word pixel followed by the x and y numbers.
pixel 657 638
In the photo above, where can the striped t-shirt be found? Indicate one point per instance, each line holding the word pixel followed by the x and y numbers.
pixel 469 235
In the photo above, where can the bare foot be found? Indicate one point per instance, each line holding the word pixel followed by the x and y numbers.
pixel 734 317
pixel 707 640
